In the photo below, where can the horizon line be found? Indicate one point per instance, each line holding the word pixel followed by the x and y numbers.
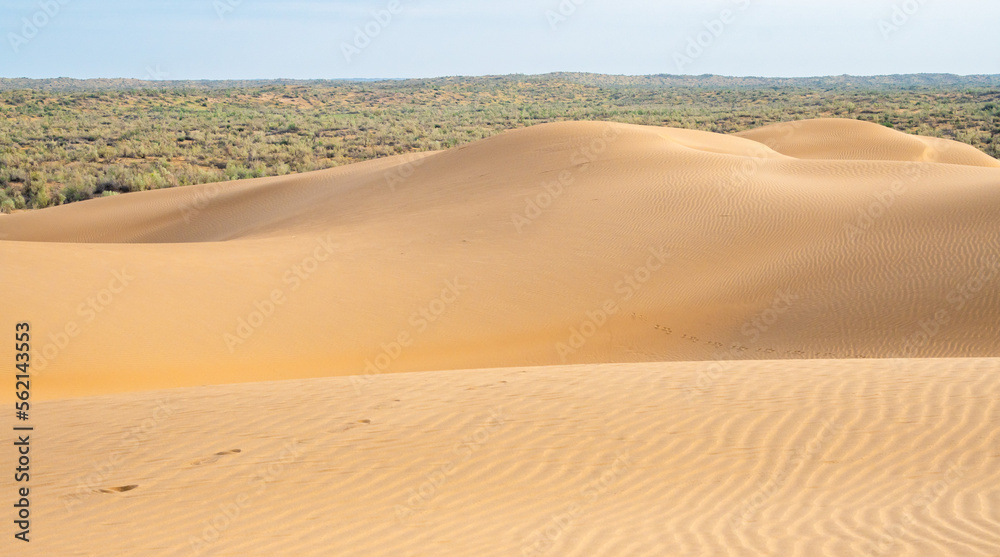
pixel 471 76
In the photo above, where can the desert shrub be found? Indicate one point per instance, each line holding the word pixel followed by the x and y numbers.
pixel 82 142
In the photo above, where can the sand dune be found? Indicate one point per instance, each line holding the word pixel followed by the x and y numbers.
pixel 781 342
pixel 792 458
pixel 841 139
pixel 565 243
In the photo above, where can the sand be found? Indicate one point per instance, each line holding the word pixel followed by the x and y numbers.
pixel 565 243
pixel 821 457
pixel 579 338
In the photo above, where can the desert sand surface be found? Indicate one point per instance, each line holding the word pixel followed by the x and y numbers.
pixel 793 458
pixel 841 139
pixel 566 243
pixel 576 339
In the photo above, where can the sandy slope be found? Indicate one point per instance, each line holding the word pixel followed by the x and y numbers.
pixel 840 139
pixel 563 243
pixel 572 243
pixel 791 458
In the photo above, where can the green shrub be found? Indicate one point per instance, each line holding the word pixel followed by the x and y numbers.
pixel 61 145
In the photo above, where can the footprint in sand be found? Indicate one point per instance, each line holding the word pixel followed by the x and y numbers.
pixel 214 457
pixel 117 489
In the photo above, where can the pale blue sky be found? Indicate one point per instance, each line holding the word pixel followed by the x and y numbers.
pixel 243 39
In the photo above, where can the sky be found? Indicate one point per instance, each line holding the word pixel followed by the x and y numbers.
pixel 306 39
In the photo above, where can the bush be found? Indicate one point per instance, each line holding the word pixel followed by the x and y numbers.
pixel 67 145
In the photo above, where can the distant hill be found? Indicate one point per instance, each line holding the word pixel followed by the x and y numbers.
pixel 843 82
pixel 848 82
pixel 69 85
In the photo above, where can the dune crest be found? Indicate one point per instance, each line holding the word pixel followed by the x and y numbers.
pixel 845 139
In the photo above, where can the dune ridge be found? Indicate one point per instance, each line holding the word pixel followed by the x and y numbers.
pixel 843 139
pixel 566 243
